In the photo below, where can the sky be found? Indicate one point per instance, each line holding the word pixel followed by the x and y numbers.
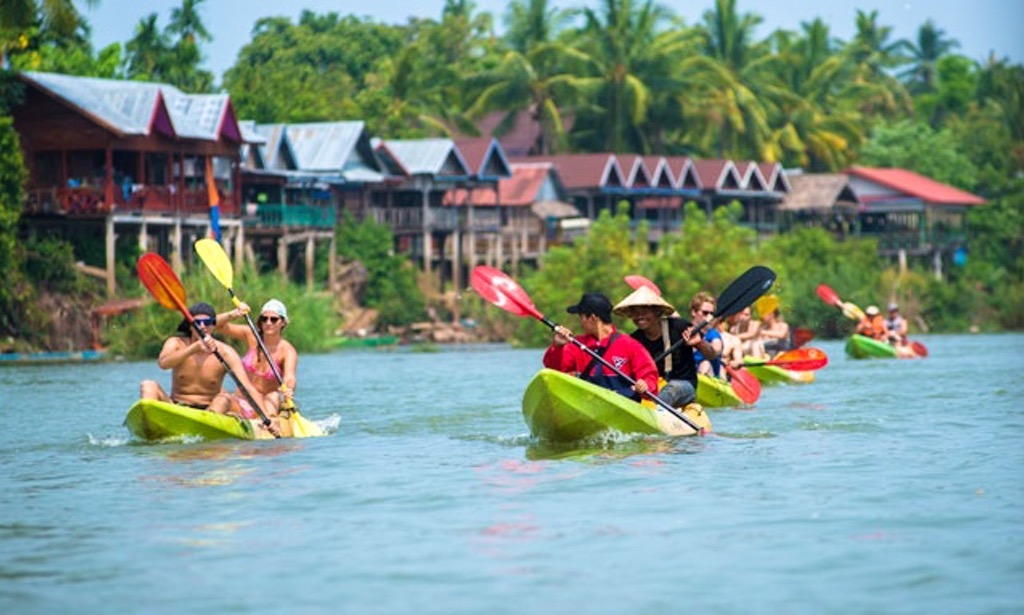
pixel 980 26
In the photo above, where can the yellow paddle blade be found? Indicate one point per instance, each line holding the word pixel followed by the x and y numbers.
pixel 766 304
pixel 853 312
pixel 216 260
pixel 304 428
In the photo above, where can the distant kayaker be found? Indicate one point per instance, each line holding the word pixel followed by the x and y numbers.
pixel 873 325
pixel 197 375
pixel 774 333
pixel 270 324
pixel 744 327
pixel 896 325
pixel 707 355
pixel 599 335
pixel 656 331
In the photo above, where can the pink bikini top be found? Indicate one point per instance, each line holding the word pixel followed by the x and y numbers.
pixel 249 363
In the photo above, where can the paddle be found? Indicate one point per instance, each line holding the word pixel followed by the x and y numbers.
pixel 746 385
pixel 217 261
pixel 742 292
pixel 498 288
pixel 161 282
pixel 802 335
pixel 797 360
pixel 830 297
pixel 636 281
pixel 919 349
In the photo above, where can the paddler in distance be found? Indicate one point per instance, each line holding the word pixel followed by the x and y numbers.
pixel 599 335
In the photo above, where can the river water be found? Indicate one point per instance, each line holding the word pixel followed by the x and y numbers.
pixel 884 487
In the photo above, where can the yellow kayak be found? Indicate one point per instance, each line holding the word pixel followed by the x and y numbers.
pixel 153 420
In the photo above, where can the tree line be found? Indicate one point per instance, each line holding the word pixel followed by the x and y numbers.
pixel 616 75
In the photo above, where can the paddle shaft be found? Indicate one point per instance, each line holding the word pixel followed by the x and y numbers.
pixel 192 321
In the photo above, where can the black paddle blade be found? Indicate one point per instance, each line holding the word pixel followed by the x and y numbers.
pixel 745 290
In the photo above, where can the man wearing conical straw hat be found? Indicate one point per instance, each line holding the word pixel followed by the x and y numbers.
pixel 657 330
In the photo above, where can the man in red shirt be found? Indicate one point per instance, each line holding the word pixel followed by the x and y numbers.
pixel 600 335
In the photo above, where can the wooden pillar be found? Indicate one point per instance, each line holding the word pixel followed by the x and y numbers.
pixel 176 261
pixel 143 229
pixel 427 244
pixel 310 252
pixel 332 261
pixel 282 256
pixel 111 240
pixel 239 245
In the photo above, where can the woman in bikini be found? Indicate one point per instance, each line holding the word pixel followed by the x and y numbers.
pixel 272 320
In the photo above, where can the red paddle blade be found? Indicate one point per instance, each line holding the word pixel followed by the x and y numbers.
pixel 636 281
pixel 161 281
pixel 802 335
pixel 919 349
pixel 801 360
pixel 828 295
pixel 497 288
pixel 746 386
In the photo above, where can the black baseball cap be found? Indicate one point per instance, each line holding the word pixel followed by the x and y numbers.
pixel 593 303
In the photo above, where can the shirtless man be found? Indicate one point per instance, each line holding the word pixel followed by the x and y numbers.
pixel 197 375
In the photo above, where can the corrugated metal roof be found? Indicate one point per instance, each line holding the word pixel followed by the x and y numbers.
pixel 437 157
pixel 324 146
pixel 129 107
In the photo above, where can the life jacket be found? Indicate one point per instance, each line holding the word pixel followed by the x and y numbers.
pixel 594 373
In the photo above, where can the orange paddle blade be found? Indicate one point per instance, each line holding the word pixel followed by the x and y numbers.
pixel 161 281
pixel 746 386
pixel 799 360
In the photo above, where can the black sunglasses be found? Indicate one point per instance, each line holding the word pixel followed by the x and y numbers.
pixel 205 322
pixel 270 319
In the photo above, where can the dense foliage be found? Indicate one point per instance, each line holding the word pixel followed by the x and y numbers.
pixel 622 76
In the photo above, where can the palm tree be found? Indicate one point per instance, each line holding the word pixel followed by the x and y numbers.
pixel 531 77
pixel 147 51
pixel 872 55
pixel 628 51
pixel 932 44
pixel 59 17
pixel 187 24
pixel 736 117
pixel 814 127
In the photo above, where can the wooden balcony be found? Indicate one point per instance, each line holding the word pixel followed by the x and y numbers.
pixel 89 200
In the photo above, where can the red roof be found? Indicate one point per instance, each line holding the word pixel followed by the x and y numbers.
pixel 583 171
pixel 919 186
pixel 520 190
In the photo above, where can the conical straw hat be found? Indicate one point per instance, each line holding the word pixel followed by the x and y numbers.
pixel 643 297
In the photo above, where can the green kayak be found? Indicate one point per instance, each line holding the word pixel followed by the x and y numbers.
pixel 862 347
pixel 715 393
pixel 560 407
pixel 773 374
pixel 156 420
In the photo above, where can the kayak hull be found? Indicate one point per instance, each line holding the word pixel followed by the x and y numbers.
pixel 154 420
pixel 559 407
pixel 715 393
pixel 863 347
pixel 773 374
